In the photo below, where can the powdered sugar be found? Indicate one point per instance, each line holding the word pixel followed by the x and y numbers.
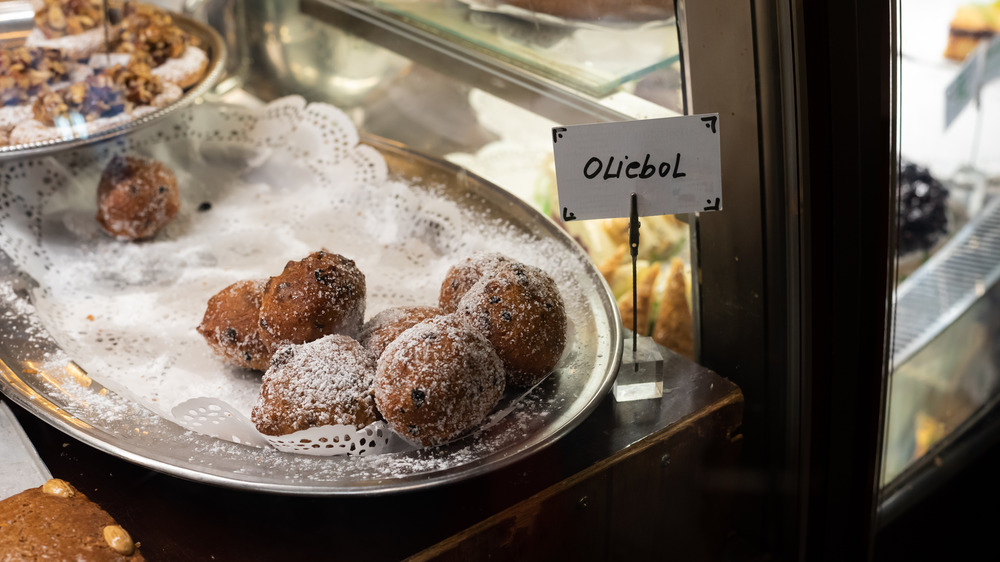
pixel 387 325
pixel 324 382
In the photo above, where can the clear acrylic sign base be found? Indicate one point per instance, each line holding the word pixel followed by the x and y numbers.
pixel 643 383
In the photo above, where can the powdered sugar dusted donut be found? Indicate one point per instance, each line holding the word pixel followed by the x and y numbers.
pixel 387 325
pixel 230 325
pixel 322 294
pixel 324 382
pixel 462 276
pixel 520 311
pixel 438 380
pixel 136 197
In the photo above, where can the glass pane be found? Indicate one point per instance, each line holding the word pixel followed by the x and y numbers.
pixel 594 57
pixel 945 365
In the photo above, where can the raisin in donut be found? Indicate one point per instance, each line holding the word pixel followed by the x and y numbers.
pixel 462 276
pixel 323 382
pixel 136 197
pixel 55 521
pixel 438 380
pixel 387 325
pixel 519 310
pixel 230 325
pixel 316 296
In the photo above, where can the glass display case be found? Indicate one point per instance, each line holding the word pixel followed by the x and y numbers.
pixel 943 386
pixel 457 100
pixel 840 335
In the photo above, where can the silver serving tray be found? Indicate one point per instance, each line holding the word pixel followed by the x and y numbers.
pixel 137 434
pixel 213 46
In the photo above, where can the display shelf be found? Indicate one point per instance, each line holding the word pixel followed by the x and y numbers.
pixel 590 58
pixel 946 317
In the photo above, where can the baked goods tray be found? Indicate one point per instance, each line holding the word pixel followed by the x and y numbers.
pixel 97 336
pixel 209 40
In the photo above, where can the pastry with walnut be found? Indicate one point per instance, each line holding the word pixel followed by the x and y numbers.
pixel 58 522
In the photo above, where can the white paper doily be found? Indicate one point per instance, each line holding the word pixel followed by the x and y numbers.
pixel 259 187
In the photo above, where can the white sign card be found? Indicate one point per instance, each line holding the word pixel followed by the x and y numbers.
pixel 673 165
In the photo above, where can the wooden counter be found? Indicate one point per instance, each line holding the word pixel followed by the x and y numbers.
pixel 633 480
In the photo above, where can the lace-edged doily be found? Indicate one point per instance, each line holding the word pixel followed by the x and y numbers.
pixel 259 187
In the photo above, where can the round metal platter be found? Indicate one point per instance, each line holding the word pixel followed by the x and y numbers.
pixel 209 40
pixel 137 434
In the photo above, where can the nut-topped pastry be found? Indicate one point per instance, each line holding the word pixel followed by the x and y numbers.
pixel 28 68
pixel 150 34
pixel 97 96
pixel 56 521
pixel 74 27
pixel 59 18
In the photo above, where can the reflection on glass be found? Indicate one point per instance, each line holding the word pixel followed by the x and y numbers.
pixel 946 371
pixel 596 55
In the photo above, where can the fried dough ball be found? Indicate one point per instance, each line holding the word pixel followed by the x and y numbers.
pixel 520 311
pixel 316 296
pixel 438 380
pixel 136 197
pixel 230 325
pixel 323 382
pixel 387 325
pixel 462 276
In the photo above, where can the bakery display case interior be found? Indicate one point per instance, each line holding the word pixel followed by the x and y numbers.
pixel 373 149
pixel 443 110
pixel 945 378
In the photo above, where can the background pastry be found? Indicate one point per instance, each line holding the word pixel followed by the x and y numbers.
pixel 136 197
